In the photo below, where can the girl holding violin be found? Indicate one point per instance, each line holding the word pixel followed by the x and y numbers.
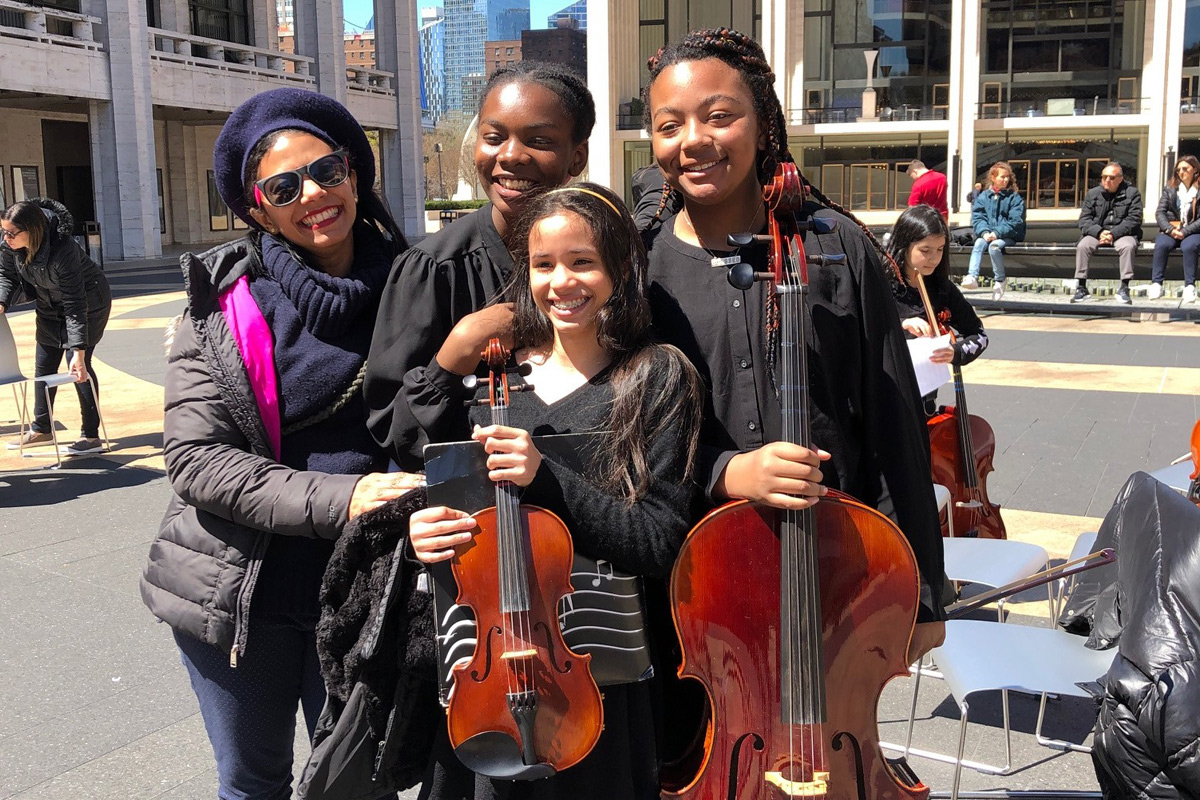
pixel 581 325
pixel 718 132
pixel 918 246
pixel 534 122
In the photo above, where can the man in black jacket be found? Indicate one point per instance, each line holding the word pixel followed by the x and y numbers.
pixel 1111 217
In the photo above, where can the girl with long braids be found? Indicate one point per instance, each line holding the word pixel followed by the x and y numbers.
pixel 718 132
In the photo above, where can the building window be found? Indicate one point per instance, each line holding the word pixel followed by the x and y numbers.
pixel 652 33
pixel 911 44
pixel 508 51
pixel 25 184
pixel 1056 173
pixel 1050 58
pixel 218 212
pixel 226 20
pixel 867 178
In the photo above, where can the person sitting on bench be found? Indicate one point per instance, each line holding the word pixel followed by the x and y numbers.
pixel 1111 217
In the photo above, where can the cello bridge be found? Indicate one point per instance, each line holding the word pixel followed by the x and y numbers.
pixel 515 654
pixel 817 787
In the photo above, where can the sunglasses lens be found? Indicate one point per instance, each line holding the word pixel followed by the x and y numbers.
pixel 281 189
pixel 330 170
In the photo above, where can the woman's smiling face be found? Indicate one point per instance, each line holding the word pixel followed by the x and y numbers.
pixel 320 221
pixel 524 144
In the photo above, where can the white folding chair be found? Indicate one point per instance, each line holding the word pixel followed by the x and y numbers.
pixel 980 656
pixel 10 374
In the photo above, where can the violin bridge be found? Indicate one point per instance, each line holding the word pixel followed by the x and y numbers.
pixel 515 654
pixel 817 787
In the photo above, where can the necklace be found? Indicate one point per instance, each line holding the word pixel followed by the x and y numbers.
pixel 715 260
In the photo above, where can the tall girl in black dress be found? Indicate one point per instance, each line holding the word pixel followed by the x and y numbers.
pixel 918 245
pixel 581 323
pixel 534 124
pixel 718 131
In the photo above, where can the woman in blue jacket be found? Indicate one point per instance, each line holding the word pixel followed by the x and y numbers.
pixel 998 217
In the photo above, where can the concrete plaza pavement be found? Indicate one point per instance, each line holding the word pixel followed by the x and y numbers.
pixel 94 702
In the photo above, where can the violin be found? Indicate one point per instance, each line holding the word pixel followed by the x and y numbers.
pixel 961 448
pixel 1194 486
pixel 525 706
pixel 794 644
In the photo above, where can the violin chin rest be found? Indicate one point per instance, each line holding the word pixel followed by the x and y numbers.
pixel 498 755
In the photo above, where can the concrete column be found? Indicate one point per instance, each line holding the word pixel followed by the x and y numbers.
pixel 402 170
pixel 1161 77
pixel 122 140
pixel 320 30
pixel 965 68
pixel 605 157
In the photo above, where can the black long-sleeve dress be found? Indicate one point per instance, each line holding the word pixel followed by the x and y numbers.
pixel 413 401
pixel 643 538
pixel 865 406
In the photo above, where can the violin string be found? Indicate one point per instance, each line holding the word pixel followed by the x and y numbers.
pixel 503 540
pixel 520 584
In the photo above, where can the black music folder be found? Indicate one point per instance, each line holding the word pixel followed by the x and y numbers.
pixel 605 615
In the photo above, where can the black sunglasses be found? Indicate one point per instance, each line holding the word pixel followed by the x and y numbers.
pixel 9 235
pixel 285 188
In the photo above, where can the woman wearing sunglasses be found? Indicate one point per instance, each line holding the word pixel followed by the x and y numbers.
pixel 265 437
pixel 72 306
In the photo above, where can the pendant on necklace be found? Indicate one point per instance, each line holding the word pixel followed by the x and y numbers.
pixel 726 261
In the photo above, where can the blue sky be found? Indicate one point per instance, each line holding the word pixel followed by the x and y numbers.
pixel 357 12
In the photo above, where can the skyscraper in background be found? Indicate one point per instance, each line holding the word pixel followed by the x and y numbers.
pixel 576 11
pixel 470 23
pixel 432 62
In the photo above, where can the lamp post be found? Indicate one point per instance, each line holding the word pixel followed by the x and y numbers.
pixel 437 148
pixel 425 172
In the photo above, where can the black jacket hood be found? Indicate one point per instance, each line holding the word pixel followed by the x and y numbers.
pixel 60 222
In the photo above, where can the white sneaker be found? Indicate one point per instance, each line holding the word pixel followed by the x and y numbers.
pixel 1189 294
pixel 970 282
pixel 1154 292
pixel 998 291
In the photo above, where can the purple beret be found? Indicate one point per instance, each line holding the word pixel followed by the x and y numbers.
pixel 275 110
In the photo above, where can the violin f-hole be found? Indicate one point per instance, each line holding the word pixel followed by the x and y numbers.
pixel 552 651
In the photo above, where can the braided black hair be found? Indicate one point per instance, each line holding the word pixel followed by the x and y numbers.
pixel 566 84
pixel 747 57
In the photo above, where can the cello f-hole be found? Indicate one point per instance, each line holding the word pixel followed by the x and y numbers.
pixel 837 743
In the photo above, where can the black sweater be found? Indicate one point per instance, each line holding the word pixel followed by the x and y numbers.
pixel 411 400
pixel 643 538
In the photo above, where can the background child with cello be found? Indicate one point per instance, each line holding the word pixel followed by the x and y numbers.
pixel 581 323
pixel 918 245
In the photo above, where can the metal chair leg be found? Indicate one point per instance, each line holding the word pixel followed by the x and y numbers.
pixel 1055 744
pixel 53 432
pixel 100 416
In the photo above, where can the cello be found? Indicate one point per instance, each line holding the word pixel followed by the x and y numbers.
pixel 525 706
pixel 793 646
pixel 962 446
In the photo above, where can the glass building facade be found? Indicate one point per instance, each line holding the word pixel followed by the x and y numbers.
pixel 470 23
pixel 432 62
pixel 908 41
pixel 1061 57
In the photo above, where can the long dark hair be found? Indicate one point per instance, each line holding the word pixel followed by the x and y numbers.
pixel 28 217
pixel 915 224
pixel 623 330
pixel 371 209
pixel 1174 181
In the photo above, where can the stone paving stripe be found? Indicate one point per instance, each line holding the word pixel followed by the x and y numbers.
pixel 1014 322
pixel 1105 377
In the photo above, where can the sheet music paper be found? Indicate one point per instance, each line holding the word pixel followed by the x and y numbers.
pixel 930 376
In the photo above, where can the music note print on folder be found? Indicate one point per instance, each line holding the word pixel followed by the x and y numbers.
pixel 600 566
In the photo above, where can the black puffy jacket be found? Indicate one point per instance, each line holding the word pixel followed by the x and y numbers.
pixel 1168 211
pixel 72 295
pixel 229 494
pixel 1147 742
pixel 1118 212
